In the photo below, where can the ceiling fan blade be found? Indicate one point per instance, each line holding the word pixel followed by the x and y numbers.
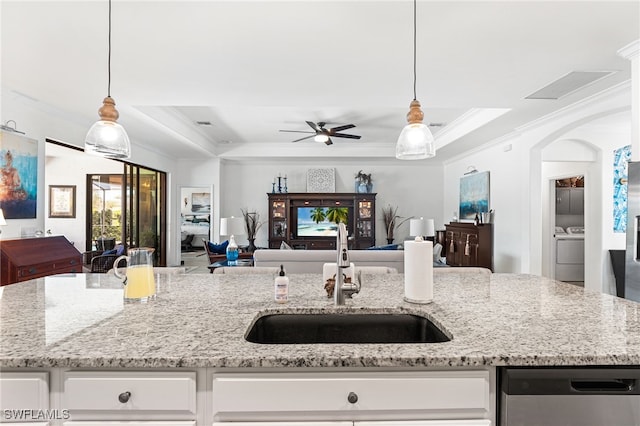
pixel 344 135
pixel 314 126
pixel 301 139
pixel 295 131
pixel 340 128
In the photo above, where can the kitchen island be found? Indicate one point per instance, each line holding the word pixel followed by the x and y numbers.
pixel 69 326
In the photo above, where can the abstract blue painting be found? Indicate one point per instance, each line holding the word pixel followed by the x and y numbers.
pixel 621 158
pixel 474 195
pixel 18 176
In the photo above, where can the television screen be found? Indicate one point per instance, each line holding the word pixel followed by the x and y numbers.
pixel 320 221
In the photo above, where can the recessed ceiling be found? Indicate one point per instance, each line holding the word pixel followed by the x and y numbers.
pixel 251 68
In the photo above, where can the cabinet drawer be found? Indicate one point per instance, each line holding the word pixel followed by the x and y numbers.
pixel 24 390
pixel 130 392
pixel 352 395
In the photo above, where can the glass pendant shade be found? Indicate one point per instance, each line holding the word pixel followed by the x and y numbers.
pixel 415 141
pixel 106 137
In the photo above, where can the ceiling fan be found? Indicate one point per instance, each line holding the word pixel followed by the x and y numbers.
pixel 322 134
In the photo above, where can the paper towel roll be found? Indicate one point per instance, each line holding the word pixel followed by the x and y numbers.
pixel 418 271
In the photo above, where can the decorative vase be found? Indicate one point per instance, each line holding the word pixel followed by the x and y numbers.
pixel 361 188
pixel 252 246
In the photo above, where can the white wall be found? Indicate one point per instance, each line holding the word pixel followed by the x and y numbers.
pixel 519 182
pixel 414 187
pixel 64 166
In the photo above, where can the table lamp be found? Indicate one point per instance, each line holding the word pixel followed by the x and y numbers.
pixel 416 228
pixel 430 229
pixel 232 226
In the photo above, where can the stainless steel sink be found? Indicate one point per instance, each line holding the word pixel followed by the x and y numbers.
pixel 344 328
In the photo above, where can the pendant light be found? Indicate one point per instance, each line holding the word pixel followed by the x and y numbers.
pixel 106 137
pixel 415 141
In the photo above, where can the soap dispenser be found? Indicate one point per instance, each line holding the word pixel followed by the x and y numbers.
pixel 281 287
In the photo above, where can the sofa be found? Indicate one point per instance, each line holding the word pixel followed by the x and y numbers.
pixel 312 261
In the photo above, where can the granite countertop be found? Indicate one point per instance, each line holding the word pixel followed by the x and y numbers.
pixel 200 321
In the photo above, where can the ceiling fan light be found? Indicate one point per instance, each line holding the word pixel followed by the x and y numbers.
pixel 321 138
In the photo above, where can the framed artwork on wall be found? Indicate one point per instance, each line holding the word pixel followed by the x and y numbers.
pixel 621 158
pixel 62 201
pixel 18 176
pixel 321 180
pixel 474 195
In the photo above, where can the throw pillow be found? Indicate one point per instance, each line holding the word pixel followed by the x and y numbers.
pixel 218 248
pixel 112 251
pixel 119 249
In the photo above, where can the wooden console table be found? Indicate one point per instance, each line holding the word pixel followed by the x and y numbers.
pixel 27 258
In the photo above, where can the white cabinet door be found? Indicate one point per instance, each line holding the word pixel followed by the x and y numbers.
pixel 20 391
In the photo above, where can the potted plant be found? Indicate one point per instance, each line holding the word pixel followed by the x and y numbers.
pixel 364 182
pixel 251 224
pixel 391 221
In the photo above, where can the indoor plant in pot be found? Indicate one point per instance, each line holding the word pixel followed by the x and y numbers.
pixel 391 221
pixel 252 224
pixel 364 182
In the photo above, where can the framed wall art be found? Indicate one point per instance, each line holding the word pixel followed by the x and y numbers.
pixel 321 180
pixel 621 158
pixel 474 195
pixel 62 201
pixel 18 176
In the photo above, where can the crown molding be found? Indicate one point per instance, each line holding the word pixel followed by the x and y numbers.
pixel 631 50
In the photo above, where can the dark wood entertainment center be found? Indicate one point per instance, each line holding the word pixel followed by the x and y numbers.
pixel 286 208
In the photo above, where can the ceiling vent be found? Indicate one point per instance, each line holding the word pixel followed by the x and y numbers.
pixel 203 123
pixel 569 83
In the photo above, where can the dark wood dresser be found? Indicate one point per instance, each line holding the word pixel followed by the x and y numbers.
pixel 27 258
pixel 469 245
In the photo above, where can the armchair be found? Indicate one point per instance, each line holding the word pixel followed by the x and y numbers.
pixel 103 263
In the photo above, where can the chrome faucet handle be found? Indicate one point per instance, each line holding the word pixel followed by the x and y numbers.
pixel 349 289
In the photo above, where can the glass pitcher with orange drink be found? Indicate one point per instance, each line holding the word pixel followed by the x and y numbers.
pixel 139 281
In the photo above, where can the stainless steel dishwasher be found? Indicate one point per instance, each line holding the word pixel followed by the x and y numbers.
pixel 569 396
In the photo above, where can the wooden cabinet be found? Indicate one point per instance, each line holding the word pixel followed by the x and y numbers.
pixel 469 245
pixel 304 220
pixel 28 258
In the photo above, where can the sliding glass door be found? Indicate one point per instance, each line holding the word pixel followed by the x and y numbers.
pixel 129 209
pixel 145 210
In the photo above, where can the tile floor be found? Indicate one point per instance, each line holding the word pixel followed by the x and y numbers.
pixel 195 261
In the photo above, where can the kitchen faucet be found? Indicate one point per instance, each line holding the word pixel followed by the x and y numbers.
pixel 341 288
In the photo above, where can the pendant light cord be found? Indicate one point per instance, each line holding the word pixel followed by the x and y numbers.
pixel 414 50
pixel 109 56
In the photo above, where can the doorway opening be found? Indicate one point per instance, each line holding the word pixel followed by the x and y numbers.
pixel 569 250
